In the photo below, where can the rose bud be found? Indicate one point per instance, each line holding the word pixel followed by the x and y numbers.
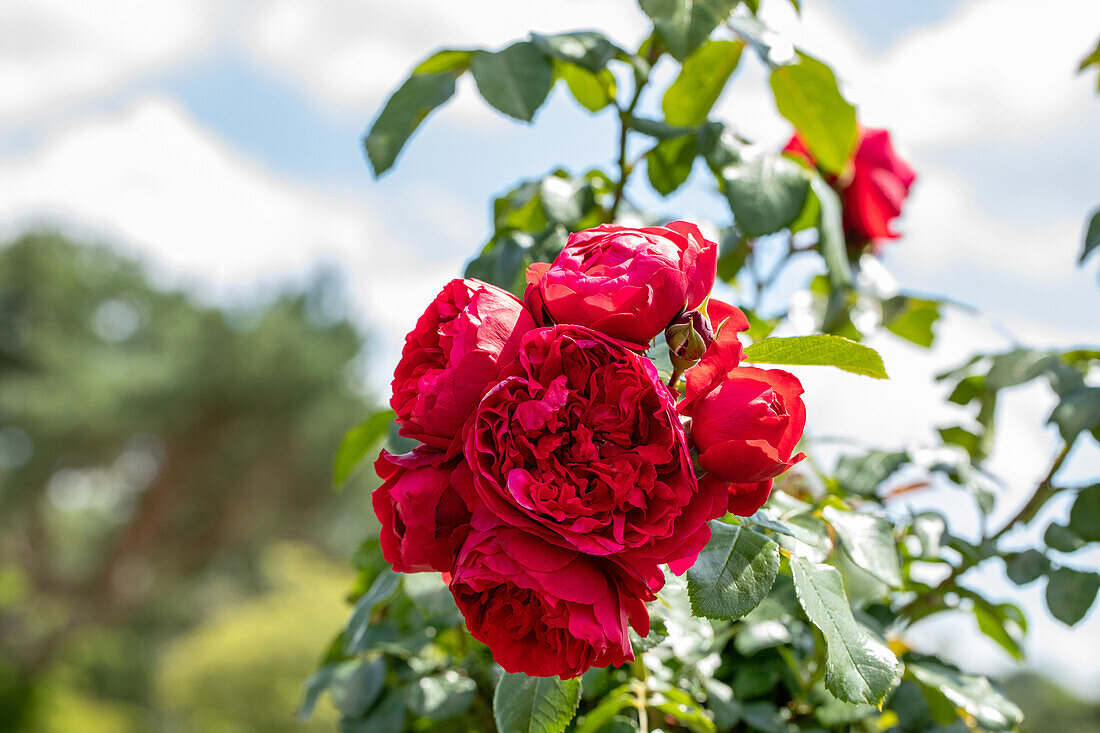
pixel 873 188
pixel 745 423
pixel 545 610
pixel 688 337
pixel 452 356
pixel 627 283
pixel 424 518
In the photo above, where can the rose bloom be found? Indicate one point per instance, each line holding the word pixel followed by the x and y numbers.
pixel 452 356
pixel 424 518
pixel 545 610
pixel 874 188
pixel 745 423
pixel 580 443
pixel 627 283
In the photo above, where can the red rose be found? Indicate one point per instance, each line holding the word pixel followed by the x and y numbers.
pixel 745 423
pixel 452 356
pixel 424 519
pixel 627 283
pixel 875 188
pixel 545 610
pixel 581 444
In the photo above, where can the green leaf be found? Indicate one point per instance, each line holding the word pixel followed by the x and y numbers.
pixel 818 350
pixel 318 682
pixel 388 716
pixel 858 667
pixel 587 49
pixel 515 80
pixel 992 710
pixel 659 130
pixel 1078 411
pixel 1027 566
pixel 602 714
pixel 1061 538
pixel 994 624
pixel 733 574
pixel 359 623
pixel 1070 594
pixel 525 704
pixel 684 25
pixel 669 163
pixel 863 475
pixel 968 441
pixel 682 708
pixel 446 60
pixel 1084 517
pixel 911 318
pixel 1092 237
pixel 593 91
pixel 806 93
pixel 733 250
pixel 765 190
pixel 689 99
pixel 403 113
pixel 442 696
pixel 358 442
pixel 830 234
pixel 868 541
pixel 359 691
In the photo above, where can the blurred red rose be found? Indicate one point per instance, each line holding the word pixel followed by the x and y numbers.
pixel 626 283
pixel 874 188
pixel 745 423
pixel 580 443
pixel 452 356
pixel 545 610
pixel 424 518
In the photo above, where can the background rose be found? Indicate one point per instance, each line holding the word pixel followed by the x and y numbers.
pixel 874 188
pixel 627 283
pixel 424 519
pixel 451 357
pixel 745 423
pixel 580 442
pixel 546 610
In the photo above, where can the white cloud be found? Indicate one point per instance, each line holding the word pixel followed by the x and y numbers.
pixel 54 52
pixel 154 181
pixel 352 54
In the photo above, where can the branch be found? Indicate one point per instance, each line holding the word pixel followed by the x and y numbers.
pixel 626 117
pixel 1043 492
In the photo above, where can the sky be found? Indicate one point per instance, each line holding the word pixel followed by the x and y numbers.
pixel 219 142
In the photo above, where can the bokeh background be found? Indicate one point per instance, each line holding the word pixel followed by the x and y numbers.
pixel 201 289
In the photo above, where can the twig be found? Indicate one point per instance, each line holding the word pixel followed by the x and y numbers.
pixel 625 118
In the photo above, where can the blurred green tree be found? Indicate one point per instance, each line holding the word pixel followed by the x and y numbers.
pixel 149 443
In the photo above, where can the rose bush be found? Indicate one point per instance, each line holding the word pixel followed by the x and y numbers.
pixel 553 477
pixel 873 189
pixel 627 283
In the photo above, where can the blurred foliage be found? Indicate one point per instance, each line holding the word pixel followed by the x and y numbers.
pixel 242 669
pixel 151 446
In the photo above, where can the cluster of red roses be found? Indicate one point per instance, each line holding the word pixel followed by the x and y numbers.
pixel 555 474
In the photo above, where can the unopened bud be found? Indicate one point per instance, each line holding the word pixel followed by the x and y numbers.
pixel 688 337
